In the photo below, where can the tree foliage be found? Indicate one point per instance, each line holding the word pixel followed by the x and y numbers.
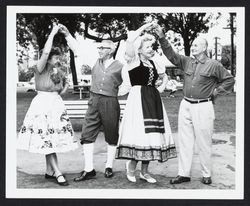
pixel 189 25
pixel 33 28
pixel 26 75
pixel 38 26
pixel 226 57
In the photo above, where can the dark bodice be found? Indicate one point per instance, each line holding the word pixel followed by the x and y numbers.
pixel 143 75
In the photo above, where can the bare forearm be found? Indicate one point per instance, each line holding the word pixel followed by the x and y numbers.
pixel 72 43
pixel 47 48
pixel 133 35
pixel 45 54
pixel 164 81
pixel 66 86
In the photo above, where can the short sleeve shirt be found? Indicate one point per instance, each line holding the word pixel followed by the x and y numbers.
pixel 43 80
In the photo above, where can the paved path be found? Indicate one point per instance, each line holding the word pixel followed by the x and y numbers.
pixel 31 167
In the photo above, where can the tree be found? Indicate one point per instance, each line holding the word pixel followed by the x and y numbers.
pixel 25 76
pixel 226 56
pixel 187 24
pixel 34 28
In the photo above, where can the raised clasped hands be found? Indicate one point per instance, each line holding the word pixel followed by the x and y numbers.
pixel 55 28
pixel 155 27
pixel 63 29
pixel 148 26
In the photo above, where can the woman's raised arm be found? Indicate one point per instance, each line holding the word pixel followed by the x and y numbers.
pixel 47 48
pixel 130 52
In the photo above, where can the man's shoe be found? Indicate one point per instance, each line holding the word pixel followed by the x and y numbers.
pixel 85 176
pixel 180 179
pixel 108 172
pixel 206 180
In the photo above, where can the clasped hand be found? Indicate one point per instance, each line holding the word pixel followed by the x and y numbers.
pixel 154 27
pixel 59 28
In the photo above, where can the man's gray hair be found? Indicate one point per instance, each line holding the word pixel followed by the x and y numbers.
pixel 110 43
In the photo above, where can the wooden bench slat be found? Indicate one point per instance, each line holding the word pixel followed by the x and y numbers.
pixel 75 112
pixel 76 109
pixel 80 107
pixel 76 103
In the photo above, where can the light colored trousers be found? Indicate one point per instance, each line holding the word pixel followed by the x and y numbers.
pixel 195 125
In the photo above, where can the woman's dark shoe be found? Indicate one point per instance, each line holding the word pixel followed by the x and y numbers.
pixel 50 176
pixel 180 179
pixel 108 172
pixel 85 176
pixel 206 180
pixel 65 183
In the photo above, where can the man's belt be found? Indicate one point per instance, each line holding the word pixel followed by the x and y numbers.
pixel 197 101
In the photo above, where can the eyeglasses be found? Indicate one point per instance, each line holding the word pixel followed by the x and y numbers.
pixel 103 47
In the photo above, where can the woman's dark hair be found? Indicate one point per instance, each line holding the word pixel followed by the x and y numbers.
pixel 53 51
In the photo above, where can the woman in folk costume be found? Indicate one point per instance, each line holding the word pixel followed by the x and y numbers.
pixel 145 133
pixel 46 128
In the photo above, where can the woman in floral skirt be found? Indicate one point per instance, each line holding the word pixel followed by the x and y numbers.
pixel 46 128
pixel 145 133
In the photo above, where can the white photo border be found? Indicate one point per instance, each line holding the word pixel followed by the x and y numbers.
pixel 11 75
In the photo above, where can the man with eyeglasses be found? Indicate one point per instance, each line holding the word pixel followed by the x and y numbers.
pixel 103 106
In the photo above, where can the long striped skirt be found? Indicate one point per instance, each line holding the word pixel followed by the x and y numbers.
pixel 136 140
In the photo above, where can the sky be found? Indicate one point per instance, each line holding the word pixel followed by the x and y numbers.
pixel 218 31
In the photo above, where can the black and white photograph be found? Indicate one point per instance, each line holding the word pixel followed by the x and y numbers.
pixel 125 102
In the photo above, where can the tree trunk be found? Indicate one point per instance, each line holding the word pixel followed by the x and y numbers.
pixel 186 46
pixel 135 22
pixel 73 68
pixel 116 49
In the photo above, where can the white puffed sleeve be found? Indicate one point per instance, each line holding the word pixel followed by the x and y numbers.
pixel 125 87
pixel 74 46
pixel 159 64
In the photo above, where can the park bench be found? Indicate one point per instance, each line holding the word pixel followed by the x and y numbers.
pixel 77 109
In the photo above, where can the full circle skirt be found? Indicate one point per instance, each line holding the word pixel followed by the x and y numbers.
pixel 46 127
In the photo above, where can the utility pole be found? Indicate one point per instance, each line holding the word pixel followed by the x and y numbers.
pixel 233 29
pixel 216 47
pixel 232 43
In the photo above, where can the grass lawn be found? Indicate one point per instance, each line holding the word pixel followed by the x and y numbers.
pixel 225 111
pixel 72 162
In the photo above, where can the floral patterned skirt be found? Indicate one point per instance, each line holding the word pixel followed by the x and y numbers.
pixel 134 143
pixel 46 128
